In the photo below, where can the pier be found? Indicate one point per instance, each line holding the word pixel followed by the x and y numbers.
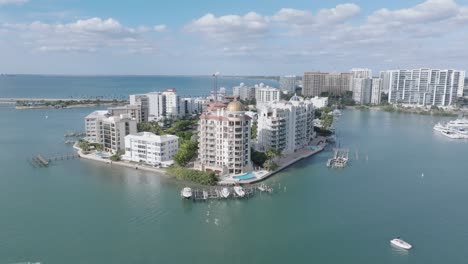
pixel 40 161
pixel 210 193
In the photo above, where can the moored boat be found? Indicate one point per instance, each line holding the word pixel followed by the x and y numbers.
pixel 398 242
pixel 239 191
pixel 186 192
pixel 225 192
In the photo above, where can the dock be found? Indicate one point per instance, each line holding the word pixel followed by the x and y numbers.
pixel 41 161
pixel 210 193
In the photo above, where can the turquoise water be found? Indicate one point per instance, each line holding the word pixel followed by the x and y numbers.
pixel 85 212
pixel 246 176
pixel 113 86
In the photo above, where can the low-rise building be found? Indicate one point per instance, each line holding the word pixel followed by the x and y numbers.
pixel 319 102
pixel 150 148
pixel 285 125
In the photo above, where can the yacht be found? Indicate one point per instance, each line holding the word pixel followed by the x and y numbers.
pixel 239 191
pixel 225 192
pixel 186 192
pixel 397 242
pixel 440 127
pixel 453 134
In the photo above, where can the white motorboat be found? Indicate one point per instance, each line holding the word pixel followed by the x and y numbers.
pixel 440 128
pixel 261 188
pixel 186 192
pixel 225 192
pixel 452 134
pixel 398 242
pixel 205 195
pixel 239 191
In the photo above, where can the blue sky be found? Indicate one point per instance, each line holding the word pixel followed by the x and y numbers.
pixel 233 37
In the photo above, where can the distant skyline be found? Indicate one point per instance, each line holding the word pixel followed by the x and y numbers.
pixel 236 38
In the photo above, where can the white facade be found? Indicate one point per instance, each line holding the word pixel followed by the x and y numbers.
pixel 225 140
pixel 288 83
pixel 285 125
pixel 266 94
pixel 243 92
pixel 361 73
pixel 150 148
pixel 110 131
pixel 362 88
pixel 319 102
pixel 376 91
pixel 158 105
pixel 423 86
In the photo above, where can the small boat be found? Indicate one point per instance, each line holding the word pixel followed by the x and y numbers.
pixel 400 243
pixel 205 195
pixel 239 191
pixel 261 188
pixel 225 192
pixel 186 192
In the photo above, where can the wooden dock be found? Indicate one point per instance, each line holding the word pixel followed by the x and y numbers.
pixel 41 161
pixel 210 193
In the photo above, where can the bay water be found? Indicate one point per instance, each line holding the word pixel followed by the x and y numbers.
pixel 403 180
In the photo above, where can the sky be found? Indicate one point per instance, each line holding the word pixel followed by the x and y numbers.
pixel 242 37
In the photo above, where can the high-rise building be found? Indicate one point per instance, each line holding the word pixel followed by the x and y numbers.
pixel 285 125
pixel 361 73
pixel 362 90
pixel 376 91
pixel 423 86
pixel 288 83
pixel 150 148
pixel 110 131
pixel 244 92
pixel 224 140
pixel 158 105
pixel 316 83
pixel 266 94
pixel 142 101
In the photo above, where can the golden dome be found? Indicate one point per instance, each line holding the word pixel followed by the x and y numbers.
pixel 235 106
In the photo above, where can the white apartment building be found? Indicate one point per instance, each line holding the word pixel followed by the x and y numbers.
pixel 361 73
pixel 423 86
pixel 376 92
pixel 134 111
pixel 150 148
pixel 243 92
pixel 288 83
pixel 110 131
pixel 266 94
pixel 224 140
pixel 285 125
pixel 319 102
pixel 158 105
pixel 193 105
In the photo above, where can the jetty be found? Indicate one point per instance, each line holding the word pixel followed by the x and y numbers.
pixel 41 161
pixel 340 158
pixel 210 193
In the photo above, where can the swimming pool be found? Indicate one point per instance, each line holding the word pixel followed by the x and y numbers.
pixel 103 154
pixel 246 176
pixel 312 147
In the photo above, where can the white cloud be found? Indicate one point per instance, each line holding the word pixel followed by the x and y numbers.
pixel 82 35
pixel 304 21
pixel 230 27
pixel 160 28
pixel 13 2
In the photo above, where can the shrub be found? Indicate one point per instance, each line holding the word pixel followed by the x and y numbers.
pixel 181 173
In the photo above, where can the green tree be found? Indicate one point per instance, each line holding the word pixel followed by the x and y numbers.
pixel 187 151
pixel 254 132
